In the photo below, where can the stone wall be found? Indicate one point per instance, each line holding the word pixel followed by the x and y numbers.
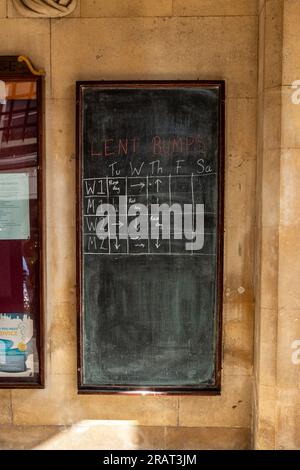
pixel 267 213
pixel 139 39
pixel 277 397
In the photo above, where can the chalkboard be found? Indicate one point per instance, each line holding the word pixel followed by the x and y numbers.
pixel 150 235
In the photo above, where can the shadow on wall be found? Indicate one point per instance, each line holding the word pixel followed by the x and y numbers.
pixel 87 434
pixel 121 435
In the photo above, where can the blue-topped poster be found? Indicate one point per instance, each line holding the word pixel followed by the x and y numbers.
pixel 16 349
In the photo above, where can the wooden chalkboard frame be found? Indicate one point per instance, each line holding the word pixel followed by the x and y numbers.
pixel 166 390
pixel 20 69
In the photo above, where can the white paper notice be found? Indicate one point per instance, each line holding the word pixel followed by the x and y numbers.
pixel 14 206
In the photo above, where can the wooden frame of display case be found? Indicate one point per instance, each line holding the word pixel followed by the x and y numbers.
pixel 20 69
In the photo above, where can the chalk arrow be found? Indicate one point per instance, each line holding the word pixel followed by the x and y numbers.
pixel 157 244
pixel 157 182
pixel 117 246
pixel 141 185
pixel 120 224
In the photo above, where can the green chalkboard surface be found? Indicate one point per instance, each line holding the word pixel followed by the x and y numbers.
pixel 150 235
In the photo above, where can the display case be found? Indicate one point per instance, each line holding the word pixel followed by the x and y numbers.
pixel 21 224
